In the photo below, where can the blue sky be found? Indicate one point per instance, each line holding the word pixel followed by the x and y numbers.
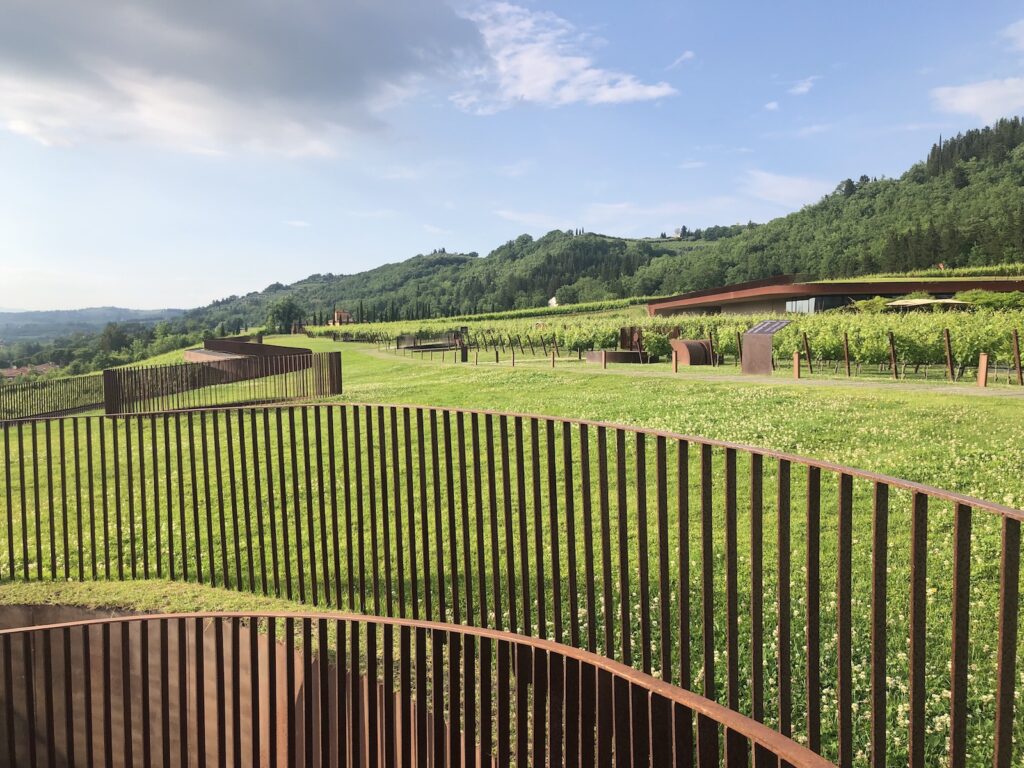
pixel 171 152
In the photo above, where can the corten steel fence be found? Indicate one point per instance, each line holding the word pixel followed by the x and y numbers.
pixel 339 689
pixel 873 619
pixel 50 397
pixel 247 380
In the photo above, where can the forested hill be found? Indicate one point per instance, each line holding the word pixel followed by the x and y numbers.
pixel 573 266
pixel 962 205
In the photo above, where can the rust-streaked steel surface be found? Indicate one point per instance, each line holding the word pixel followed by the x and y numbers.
pixel 753 732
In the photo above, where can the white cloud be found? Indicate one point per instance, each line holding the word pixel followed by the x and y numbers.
pixel 683 57
pixel 814 129
pixel 772 106
pixel 297 223
pixel 538 57
pixel 802 87
pixel 988 100
pixel 691 164
pixel 375 213
pixel 787 191
pixel 517 169
pixel 218 77
pixel 432 229
pixel 1015 34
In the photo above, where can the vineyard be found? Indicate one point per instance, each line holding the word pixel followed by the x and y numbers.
pixel 918 338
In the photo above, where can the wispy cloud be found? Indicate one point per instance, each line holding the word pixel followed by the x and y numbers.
pixel 432 229
pixel 691 164
pixel 987 100
pixel 538 57
pixel 772 106
pixel 682 58
pixel 297 223
pixel 787 191
pixel 813 129
pixel 517 169
pixel 802 87
pixel 373 213
pixel 1015 34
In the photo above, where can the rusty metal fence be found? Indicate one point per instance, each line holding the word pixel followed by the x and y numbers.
pixel 345 690
pixel 47 397
pixel 873 619
pixel 244 380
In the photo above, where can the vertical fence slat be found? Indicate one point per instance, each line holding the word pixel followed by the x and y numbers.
pixel 879 623
pixel 1009 595
pixel 960 648
pixel 918 608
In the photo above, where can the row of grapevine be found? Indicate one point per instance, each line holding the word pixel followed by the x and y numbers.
pixel 918 335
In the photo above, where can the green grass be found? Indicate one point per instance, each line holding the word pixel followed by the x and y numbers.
pixel 950 437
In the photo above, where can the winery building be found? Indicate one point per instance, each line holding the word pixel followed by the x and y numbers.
pixel 792 293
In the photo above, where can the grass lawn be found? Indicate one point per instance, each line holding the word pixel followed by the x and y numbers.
pixel 953 437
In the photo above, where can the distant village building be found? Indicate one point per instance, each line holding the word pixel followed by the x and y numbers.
pixel 26 370
pixel 343 317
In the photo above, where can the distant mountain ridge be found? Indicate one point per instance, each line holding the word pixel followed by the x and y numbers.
pixel 27 325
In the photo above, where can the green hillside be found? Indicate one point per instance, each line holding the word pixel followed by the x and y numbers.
pixel 962 206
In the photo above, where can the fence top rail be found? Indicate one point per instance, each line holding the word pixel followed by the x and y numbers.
pixel 826 466
pixel 758 733
pixel 189 363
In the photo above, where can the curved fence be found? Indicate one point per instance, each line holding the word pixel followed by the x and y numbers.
pixel 50 397
pixel 339 689
pixel 872 619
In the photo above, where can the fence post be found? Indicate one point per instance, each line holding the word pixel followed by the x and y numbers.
pixel 476 356
pixel 111 392
pixel 807 353
pixel 1016 358
pixel 983 369
pixel 892 356
pixel 949 354
pixel 513 357
pixel 711 350
pixel 846 352
pixel 334 380
pixel 464 356
pixel 739 347
pixel 796 364
pixel 495 354
pixel 675 361
pixel 552 357
pixel 604 359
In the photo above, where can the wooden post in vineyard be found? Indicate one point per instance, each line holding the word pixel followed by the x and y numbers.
pixel 846 352
pixel 949 354
pixel 892 356
pixel 807 353
pixel 1016 358
pixel 604 359
pixel 711 349
pixel 675 361
pixel 739 348
pixel 552 357
pixel 983 369
pixel 796 364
